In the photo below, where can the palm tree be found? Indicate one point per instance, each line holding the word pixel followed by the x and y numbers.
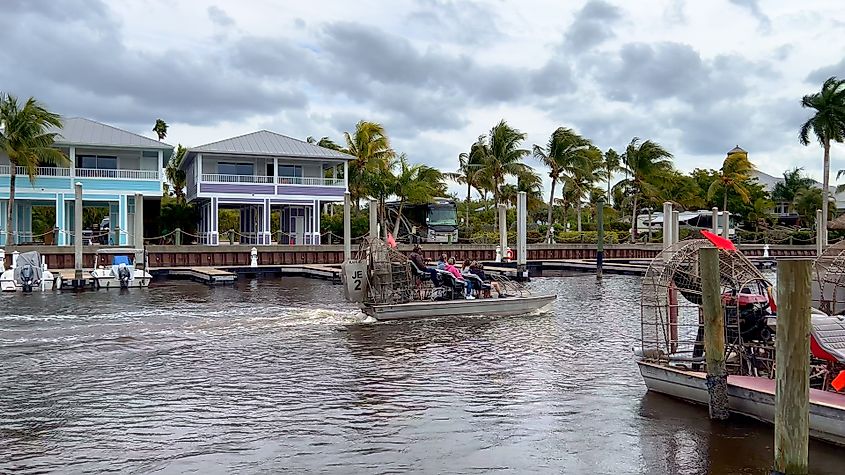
pixel 584 177
pixel 793 182
pixel 415 184
pixel 565 154
pixel 827 124
pixel 612 163
pixel 734 175
pixel 160 128
pixel 176 176
pixel 324 142
pixel 469 170
pixel 501 157
pixel 643 163
pixel 25 140
pixel 371 148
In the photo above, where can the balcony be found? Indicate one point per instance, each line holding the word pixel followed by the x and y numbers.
pixel 40 171
pixel 306 181
pixel 84 173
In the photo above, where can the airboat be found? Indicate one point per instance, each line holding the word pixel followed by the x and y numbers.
pixel 120 268
pixel 671 356
pixel 387 286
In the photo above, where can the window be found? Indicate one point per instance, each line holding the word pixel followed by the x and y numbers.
pixel 99 162
pixel 228 168
pixel 149 154
pixel 290 171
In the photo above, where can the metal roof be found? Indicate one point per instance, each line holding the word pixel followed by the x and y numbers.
pixel 265 142
pixel 81 131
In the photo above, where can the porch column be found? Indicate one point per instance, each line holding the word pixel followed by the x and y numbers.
pixel 122 219
pixel 275 170
pixel 3 207
pixel 23 221
pixel 346 175
pixel 161 165
pixel 317 212
pixel 72 158
pixel 265 223
pixel 61 239
pixel 214 237
pixel 138 239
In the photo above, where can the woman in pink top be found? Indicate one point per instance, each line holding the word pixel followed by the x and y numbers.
pixel 450 267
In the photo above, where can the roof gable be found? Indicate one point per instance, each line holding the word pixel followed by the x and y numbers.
pixel 264 142
pixel 81 131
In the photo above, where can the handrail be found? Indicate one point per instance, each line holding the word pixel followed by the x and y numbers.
pixel 116 173
pixel 307 180
pixel 220 178
pixel 39 171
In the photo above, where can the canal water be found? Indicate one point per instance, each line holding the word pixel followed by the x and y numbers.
pixel 282 375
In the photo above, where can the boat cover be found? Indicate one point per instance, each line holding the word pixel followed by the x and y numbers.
pixel 31 259
pixel 828 335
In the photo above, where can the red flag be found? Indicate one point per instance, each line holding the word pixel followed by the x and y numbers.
pixel 718 241
pixel 838 383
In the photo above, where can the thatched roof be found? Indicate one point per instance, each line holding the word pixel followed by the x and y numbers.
pixel 838 223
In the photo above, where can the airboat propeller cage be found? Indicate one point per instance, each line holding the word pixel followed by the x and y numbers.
pixel 828 282
pixel 671 324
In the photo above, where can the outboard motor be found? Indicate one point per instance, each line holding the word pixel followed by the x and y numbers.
pixel 123 276
pixel 27 279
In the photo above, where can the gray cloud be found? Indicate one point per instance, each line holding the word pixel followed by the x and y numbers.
pixel 446 21
pixel 819 76
pixel 593 24
pixel 754 7
pixel 219 17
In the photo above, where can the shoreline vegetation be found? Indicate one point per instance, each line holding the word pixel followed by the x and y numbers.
pixel 499 164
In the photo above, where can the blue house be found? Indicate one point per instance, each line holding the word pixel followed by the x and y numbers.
pixel 259 173
pixel 114 167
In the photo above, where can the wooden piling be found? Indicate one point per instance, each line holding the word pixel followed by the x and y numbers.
pixel 792 360
pixel 77 235
pixel 714 332
pixel 503 228
pixel 600 240
pixel 374 219
pixel 347 227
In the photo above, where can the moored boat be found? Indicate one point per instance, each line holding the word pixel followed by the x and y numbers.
pixel 28 273
pixel 120 268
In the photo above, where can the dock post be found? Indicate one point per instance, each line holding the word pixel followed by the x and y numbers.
pixel 373 219
pixel 819 233
pixel 714 332
pixel 600 240
pixel 347 227
pixel 177 236
pixel 676 226
pixel 792 360
pixel 139 221
pixel 715 220
pixel 503 228
pixel 726 224
pixel 521 235
pixel 78 281
pixel 667 226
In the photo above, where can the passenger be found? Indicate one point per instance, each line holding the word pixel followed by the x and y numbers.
pixel 441 264
pixel 419 261
pixel 478 269
pixel 450 268
pixel 471 279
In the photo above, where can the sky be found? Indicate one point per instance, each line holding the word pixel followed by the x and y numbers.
pixel 697 77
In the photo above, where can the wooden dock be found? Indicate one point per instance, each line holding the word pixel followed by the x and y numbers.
pixel 205 275
pixel 229 274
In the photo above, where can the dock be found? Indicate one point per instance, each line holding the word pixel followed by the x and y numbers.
pixel 224 275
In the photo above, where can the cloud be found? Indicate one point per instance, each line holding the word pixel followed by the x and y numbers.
pixel 820 75
pixel 219 17
pixel 445 21
pixel 754 7
pixel 593 25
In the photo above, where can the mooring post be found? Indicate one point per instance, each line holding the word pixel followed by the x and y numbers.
pixel 600 240
pixel 726 224
pixel 373 219
pixel 715 215
pixel 521 235
pixel 347 226
pixel 792 360
pixel 177 236
pixel 77 236
pixel 676 226
pixel 667 225
pixel 714 332
pixel 819 233
pixel 503 229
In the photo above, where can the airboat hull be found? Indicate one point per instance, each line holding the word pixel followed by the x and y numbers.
pixel 749 396
pixel 500 307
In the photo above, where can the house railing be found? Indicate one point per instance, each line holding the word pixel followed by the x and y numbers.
pixel 111 173
pixel 84 173
pixel 307 180
pixel 218 178
pixel 40 171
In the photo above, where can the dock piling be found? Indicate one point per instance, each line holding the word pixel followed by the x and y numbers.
pixel 676 226
pixel 139 221
pixel 715 226
pixel 600 240
pixel 714 332
pixel 819 233
pixel 347 227
pixel 77 237
pixel 792 360
pixel 503 229
pixel 373 219
pixel 726 224
pixel 521 234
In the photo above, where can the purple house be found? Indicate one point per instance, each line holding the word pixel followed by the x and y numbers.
pixel 259 174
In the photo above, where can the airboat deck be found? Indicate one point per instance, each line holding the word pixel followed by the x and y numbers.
pixel 501 307
pixel 750 396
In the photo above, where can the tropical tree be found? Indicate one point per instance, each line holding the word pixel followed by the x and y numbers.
pixel 793 181
pixel 469 171
pixel 415 184
pixel 611 164
pixel 733 176
pixel 176 176
pixel 371 148
pixel 25 139
pixel 565 154
pixel 501 158
pixel 760 212
pixel 160 128
pixel 324 142
pixel 644 163
pixel 584 177
pixel 827 124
